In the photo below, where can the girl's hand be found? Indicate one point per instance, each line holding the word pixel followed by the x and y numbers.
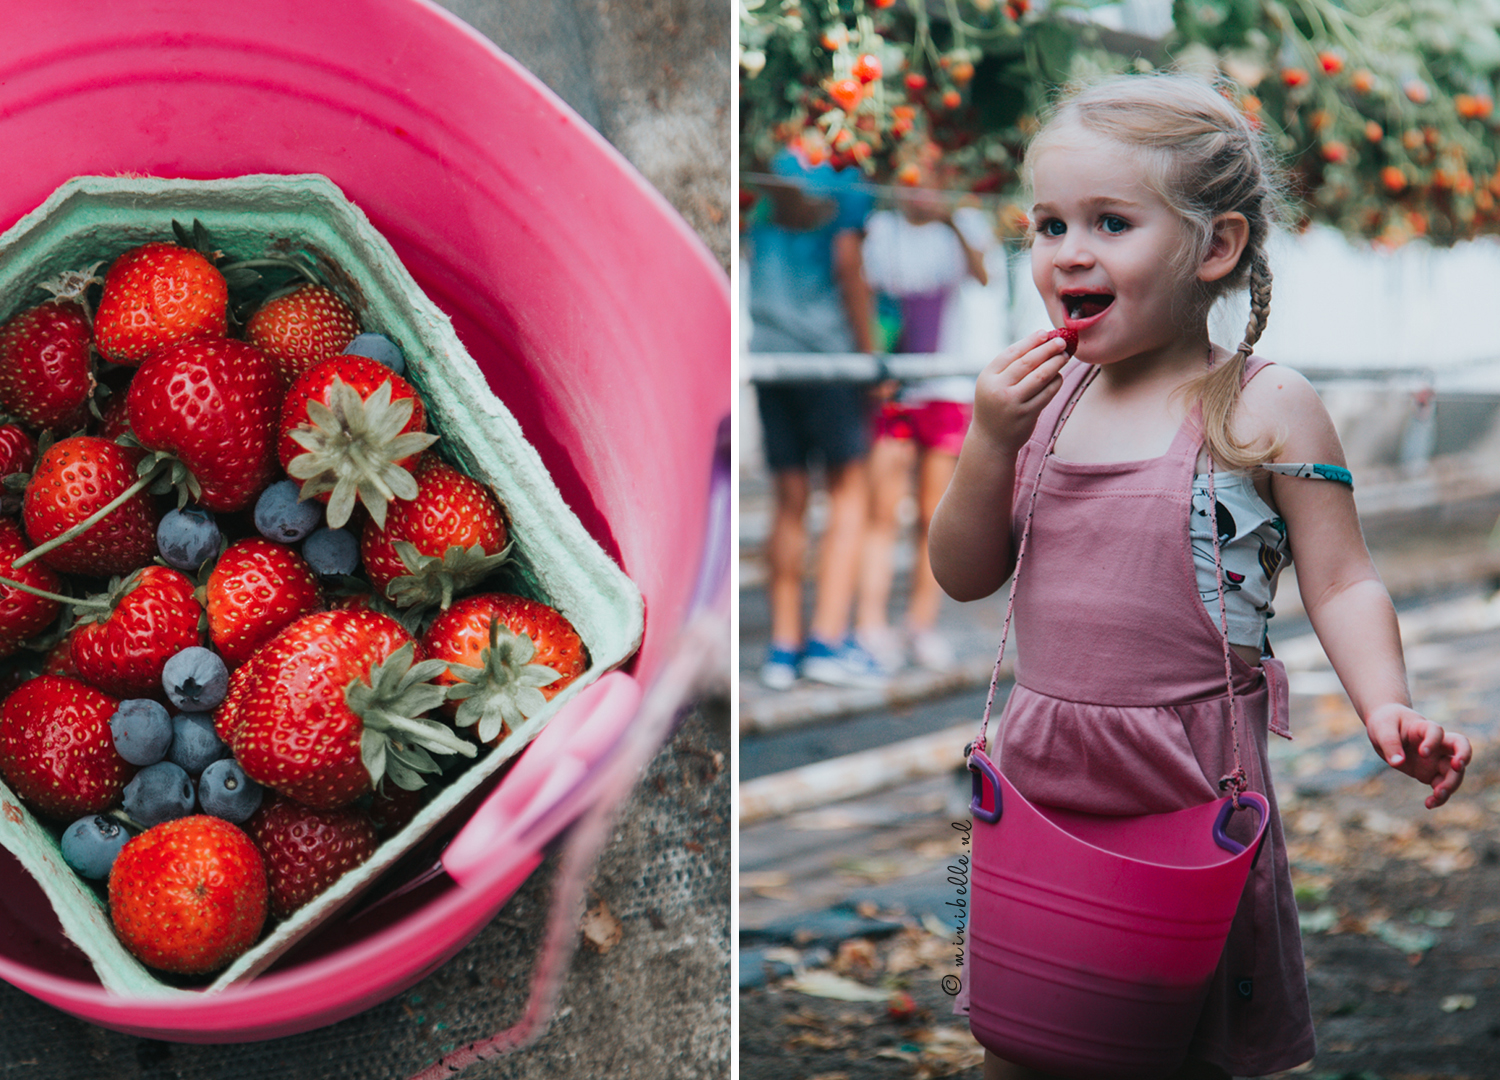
pixel 1408 741
pixel 1016 386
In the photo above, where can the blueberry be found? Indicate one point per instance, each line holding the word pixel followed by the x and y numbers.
pixel 142 731
pixel 225 791
pixel 195 679
pixel 379 348
pixel 281 516
pixel 90 845
pixel 187 538
pixel 159 792
pixel 332 552
pixel 195 743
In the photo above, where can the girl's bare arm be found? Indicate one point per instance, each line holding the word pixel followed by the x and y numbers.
pixel 1347 603
pixel 969 539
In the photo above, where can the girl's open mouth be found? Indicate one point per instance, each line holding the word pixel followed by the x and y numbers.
pixel 1082 306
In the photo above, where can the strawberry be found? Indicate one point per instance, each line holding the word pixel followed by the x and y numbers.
pixel 56 750
pixel 307 850
pixel 17 450
pixel 23 614
pixel 189 895
pixel 114 417
pixel 212 405
pixel 124 639
pixel 75 479
pixel 227 715
pixel 1069 338
pixel 392 808
pixel 445 539
pixel 299 328
pixel 351 427
pixel 506 656
pixel 255 590
pixel 46 373
pixel 334 703
pixel 156 295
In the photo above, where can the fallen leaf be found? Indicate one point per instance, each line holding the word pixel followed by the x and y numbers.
pixel 1458 1002
pixel 1320 921
pixel 601 929
pixel 856 956
pixel 1407 941
pixel 825 984
pixel 815 1040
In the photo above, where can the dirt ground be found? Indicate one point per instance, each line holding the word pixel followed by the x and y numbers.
pixel 1401 931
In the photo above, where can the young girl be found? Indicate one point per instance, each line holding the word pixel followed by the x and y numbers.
pixel 1153 198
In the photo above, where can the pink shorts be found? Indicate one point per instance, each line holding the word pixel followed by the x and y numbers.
pixel 935 425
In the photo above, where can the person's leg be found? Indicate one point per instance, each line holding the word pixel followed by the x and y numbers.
pixel 934 472
pixel 786 554
pixel 839 550
pixel 891 460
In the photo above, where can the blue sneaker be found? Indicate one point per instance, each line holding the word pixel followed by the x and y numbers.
pixel 841 665
pixel 779 671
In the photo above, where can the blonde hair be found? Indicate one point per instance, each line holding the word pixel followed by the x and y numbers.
pixel 1205 159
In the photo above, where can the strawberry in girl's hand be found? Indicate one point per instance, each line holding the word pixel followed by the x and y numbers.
pixel 76 478
pixel 506 655
pixel 212 405
pixel 189 895
pixel 56 750
pixel 352 428
pixel 334 703
pixel 124 639
pixel 306 325
pixel 444 540
pixel 307 850
pixel 1069 338
pixel 46 373
pixel 255 590
pixel 156 295
pixel 23 614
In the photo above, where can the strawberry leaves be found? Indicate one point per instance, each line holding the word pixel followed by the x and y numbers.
pixel 397 740
pixel 505 690
pixel 434 581
pixel 355 448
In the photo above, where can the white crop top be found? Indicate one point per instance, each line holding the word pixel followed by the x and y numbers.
pixel 1252 544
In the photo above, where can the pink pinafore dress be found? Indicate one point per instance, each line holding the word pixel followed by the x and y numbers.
pixel 1120 704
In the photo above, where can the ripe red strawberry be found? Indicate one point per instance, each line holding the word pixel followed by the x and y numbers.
pixel 307 850
pixel 56 750
pixel 155 295
pixel 17 450
pixel 213 405
pixel 351 427
pixel 122 644
pixel 508 656
pixel 334 703
pixel 189 895
pixel 392 808
pixel 227 715
pixel 75 478
pixel 456 531
pixel 46 373
pixel 308 324
pixel 23 614
pixel 1069 338
pixel 255 590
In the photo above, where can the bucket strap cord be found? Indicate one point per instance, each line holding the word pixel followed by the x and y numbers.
pixel 1236 781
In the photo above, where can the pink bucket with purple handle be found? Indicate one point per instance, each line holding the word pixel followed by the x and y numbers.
pixel 1093 939
pixel 589 305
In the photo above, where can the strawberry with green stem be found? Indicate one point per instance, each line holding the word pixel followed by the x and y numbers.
pixel 446 539
pixel 335 703
pixel 506 656
pixel 351 429
pixel 125 637
pixel 158 294
pixel 86 512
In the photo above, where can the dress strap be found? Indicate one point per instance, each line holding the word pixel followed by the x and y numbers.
pixel 1311 471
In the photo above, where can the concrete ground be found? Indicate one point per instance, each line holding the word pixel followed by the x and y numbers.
pixel 653 76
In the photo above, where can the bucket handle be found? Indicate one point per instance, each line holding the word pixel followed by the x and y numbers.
pixel 982 767
pixel 1257 802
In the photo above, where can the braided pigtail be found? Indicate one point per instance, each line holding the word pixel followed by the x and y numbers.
pixel 1219 390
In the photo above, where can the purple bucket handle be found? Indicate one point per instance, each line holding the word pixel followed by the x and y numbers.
pixel 982 767
pixel 1255 801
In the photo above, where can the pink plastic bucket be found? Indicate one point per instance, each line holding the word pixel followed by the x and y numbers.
pixel 1092 939
pixel 595 313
